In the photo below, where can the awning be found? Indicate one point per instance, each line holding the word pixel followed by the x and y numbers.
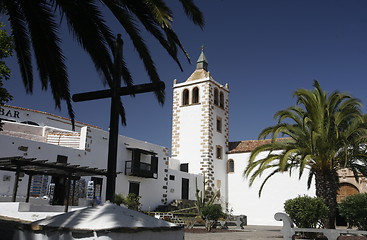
pixel 143 151
pixel 32 166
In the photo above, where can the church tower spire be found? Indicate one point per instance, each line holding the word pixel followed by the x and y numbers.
pixel 202 63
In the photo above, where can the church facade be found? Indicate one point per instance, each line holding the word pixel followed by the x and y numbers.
pixel 200 149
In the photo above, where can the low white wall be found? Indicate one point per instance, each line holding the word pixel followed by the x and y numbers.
pixel 174 164
pixel 60 234
pixel 11 209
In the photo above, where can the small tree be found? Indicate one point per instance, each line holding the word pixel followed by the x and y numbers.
pixel 131 201
pixel 211 214
pixel 354 209
pixel 205 206
pixel 203 198
pixel 306 212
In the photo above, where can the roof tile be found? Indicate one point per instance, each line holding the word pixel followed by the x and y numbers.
pixel 249 145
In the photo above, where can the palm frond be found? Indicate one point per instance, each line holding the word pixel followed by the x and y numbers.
pixel 193 12
pixel 128 22
pixel 48 54
pixel 21 41
pixel 86 23
pixel 327 132
pixel 266 180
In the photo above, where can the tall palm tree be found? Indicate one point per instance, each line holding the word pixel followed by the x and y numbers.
pixel 325 132
pixel 35 25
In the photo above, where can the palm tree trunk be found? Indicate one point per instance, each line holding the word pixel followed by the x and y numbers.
pixel 327 185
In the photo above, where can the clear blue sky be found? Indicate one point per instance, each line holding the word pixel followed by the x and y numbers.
pixel 264 50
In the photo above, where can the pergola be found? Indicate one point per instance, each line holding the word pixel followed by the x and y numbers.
pixel 32 166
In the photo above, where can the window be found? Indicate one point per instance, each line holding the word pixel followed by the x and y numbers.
pixel 172 177
pixel 215 96
pixel 219 183
pixel 221 100
pixel 219 124
pixel 195 95
pixel 185 188
pixel 134 188
pixel 97 186
pixel 219 153
pixel 30 123
pixel 184 167
pixel 62 159
pixel 230 166
pixel 185 97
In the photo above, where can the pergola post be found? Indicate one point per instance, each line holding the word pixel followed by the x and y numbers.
pixel 73 193
pixel 67 193
pixel 30 176
pixel 15 188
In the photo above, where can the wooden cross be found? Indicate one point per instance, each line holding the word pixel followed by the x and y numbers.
pixel 114 93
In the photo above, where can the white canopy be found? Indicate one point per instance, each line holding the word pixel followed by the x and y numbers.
pixel 106 222
pixel 104 217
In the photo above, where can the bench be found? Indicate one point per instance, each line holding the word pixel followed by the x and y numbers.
pixel 238 221
pixel 289 230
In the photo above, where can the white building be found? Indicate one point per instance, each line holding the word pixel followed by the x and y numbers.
pixel 200 146
pixel 143 167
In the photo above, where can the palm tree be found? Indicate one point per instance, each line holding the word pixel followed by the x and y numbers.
pixel 6 50
pixel 325 132
pixel 35 25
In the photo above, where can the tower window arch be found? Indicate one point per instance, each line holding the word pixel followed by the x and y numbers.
pixel 221 100
pixel 219 124
pixel 216 96
pixel 230 166
pixel 185 97
pixel 195 95
pixel 219 152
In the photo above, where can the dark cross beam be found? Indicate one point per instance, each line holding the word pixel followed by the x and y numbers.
pixel 114 93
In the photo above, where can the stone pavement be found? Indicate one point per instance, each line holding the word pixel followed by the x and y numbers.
pixel 249 233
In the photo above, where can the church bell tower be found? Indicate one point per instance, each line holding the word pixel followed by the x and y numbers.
pixel 200 126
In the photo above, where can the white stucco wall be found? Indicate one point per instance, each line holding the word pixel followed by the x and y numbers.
pixel 190 124
pixel 190 137
pixel 279 188
pixel 175 186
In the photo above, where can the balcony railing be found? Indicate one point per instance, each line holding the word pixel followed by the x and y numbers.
pixel 139 169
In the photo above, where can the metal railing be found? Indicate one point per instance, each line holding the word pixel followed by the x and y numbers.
pixel 140 170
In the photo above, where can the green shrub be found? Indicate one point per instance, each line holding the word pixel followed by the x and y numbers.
pixel 305 211
pixel 211 214
pixel 131 201
pixel 354 209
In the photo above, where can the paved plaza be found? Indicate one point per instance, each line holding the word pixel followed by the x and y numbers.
pixel 249 233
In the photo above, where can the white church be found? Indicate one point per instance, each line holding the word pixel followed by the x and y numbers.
pixel 37 151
